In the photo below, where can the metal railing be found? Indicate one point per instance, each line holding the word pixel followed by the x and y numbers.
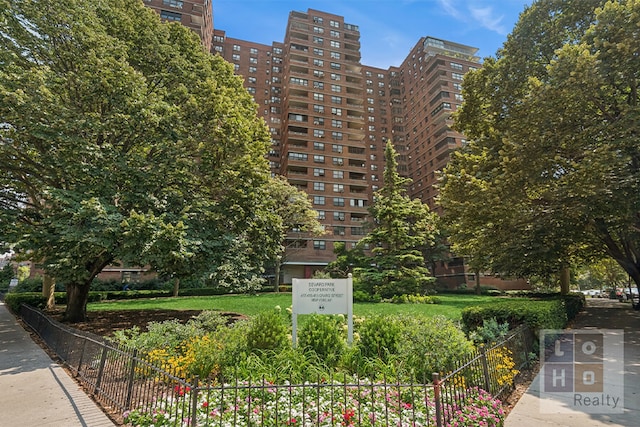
pixel 121 380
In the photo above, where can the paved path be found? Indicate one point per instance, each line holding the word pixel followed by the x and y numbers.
pixel 34 390
pixel 600 314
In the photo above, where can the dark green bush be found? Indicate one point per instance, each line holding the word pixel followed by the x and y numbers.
pixel 267 331
pixel 33 299
pixel 379 337
pixel 324 336
pixel 362 296
pixel 430 345
pixel 548 313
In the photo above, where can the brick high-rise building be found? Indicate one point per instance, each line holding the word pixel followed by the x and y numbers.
pixel 330 117
pixel 194 14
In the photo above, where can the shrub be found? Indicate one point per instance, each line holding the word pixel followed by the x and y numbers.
pixel 379 337
pixel 414 299
pixel 167 336
pixel 432 345
pixel 267 331
pixel 363 296
pixel 540 314
pixel 490 331
pixel 324 336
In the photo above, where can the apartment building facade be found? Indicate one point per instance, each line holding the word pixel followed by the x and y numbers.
pixel 196 15
pixel 330 117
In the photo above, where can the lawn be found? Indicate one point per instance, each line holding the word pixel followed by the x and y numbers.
pixel 450 305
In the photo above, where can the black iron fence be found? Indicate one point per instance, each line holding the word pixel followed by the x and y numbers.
pixel 127 383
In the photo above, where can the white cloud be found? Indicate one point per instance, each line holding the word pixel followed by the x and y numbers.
pixel 474 13
pixel 486 18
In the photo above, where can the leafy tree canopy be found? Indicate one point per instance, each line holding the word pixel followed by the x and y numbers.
pixel 401 232
pixel 551 175
pixel 122 139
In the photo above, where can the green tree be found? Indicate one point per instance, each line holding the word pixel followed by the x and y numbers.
pixel 122 139
pixel 400 231
pixel 296 216
pixel 550 178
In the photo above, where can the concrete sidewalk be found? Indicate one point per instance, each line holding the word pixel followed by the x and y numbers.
pixel 600 314
pixel 34 390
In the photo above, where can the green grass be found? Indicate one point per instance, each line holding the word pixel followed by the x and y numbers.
pixel 450 305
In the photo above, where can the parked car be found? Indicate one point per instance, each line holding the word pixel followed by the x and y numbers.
pixel 631 293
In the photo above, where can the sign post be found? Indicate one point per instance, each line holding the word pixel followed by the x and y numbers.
pixel 322 296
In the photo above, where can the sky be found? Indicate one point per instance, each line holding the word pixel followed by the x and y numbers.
pixel 388 28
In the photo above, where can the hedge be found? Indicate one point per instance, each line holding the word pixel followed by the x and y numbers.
pixel 553 312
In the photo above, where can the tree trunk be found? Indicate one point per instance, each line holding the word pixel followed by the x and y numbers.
pixel 77 295
pixel 176 287
pixel 565 278
pixel 276 278
pixel 478 290
pixel 48 289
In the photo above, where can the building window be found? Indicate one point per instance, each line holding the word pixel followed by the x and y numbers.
pixel 170 16
pixel 334 24
pixel 335 66
pixel 336 100
pixel 318 19
pixel 297 156
pixel 335 55
pixel 253 69
pixel 335 76
pixel 318 133
pixel 318 146
pixel 336 88
pixel 318 172
pixel 338 216
pixel 277 51
pixel 318 200
pixel 318 121
pixel 357 231
pixel 318 30
pixel 318 73
pixel 335 44
pixel 336 123
pixel 457 86
pixel 338 174
pixel 318 51
pixel 319 245
pixel 173 3
pixel 318 62
pixel 318 40
pixel 321 215
pixel 337 148
pixel 338 201
pixel 335 34
pixel 336 135
pixel 318 158
pixel 299 81
pixel 235 57
pixel 318 108
pixel 219 39
pixel 456 66
pixel 318 186
pixel 456 76
pixel 218 48
pixel 337 161
pixel 253 60
pixel 236 48
pixel 252 79
pixel 318 97
pixel 318 85
pixel 336 111
pixel 338 188
pixel 339 230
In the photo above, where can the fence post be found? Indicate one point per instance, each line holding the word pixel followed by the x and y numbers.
pixel 436 395
pixel 84 346
pixel 194 402
pixel 103 360
pixel 132 374
pixel 485 368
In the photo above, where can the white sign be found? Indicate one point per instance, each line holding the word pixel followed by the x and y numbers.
pixel 13 283
pixel 323 296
